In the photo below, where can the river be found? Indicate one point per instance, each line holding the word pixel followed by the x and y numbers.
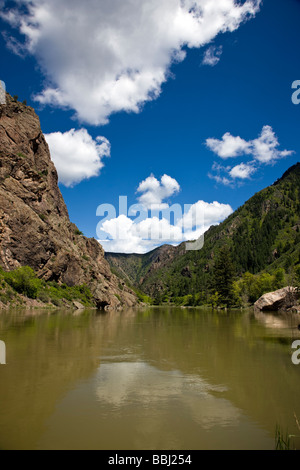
pixel 150 378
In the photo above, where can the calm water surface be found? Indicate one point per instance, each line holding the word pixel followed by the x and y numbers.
pixel 156 378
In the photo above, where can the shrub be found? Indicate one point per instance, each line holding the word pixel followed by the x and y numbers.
pixel 56 302
pixel 24 281
pixel 43 296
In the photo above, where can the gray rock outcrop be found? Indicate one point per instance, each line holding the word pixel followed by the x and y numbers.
pixel 281 299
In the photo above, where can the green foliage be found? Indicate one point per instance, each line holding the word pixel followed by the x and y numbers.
pixel 297 272
pixel 279 278
pixel 250 286
pixel 214 299
pixel 78 232
pixel 282 441
pixel 43 173
pixel 24 281
pixel 58 293
pixel 144 298
pixel 223 277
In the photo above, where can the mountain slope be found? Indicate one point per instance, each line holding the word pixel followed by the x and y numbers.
pixel 135 267
pixel 263 234
pixel 35 229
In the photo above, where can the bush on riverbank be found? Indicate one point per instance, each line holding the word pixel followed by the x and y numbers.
pixel 23 282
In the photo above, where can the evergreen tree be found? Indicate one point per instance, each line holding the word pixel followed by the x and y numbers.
pixel 223 276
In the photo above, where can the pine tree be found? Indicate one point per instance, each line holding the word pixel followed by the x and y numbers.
pixel 223 276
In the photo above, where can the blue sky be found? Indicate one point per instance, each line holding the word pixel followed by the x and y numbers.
pixel 156 91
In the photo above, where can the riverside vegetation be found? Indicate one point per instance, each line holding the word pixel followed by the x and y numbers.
pixel 22 284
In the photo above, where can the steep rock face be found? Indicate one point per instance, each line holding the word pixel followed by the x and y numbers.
pixel 35 229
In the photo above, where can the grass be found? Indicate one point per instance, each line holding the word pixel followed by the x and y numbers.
pixel 283 441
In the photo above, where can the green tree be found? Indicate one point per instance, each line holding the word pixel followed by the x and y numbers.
pixel 223 276
pixel 279 278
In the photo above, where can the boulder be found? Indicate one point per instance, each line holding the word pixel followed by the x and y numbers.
pixel 281 299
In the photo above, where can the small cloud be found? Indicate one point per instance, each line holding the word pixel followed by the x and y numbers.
pixel 229 146
pixel 204 214
pixel 263 150
pixel 242 171
pixel 76 155
pixel 221 179
pixel 229 176
pixel 212 55
pixel 154 191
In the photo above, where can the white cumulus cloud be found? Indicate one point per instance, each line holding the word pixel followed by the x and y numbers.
pixel 155 191
pixel 102 57
pixel 242 171
pixel 229 146
pixel 263 151
pixel 205 214
pixel 177 224
pixel 76 155
pixel 265 147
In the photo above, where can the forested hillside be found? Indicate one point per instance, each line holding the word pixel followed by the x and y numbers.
pixel 262 240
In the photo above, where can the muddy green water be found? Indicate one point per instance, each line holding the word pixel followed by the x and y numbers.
pixel 156 378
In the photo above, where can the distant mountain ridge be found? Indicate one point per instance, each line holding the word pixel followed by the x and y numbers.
pixel 263 234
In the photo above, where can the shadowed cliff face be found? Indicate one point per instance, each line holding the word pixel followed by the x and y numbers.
pixel 35 229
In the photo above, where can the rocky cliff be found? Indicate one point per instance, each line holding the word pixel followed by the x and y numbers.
pixel 35 229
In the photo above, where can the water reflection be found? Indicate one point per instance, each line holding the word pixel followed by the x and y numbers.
pixel 142 385
pixel 151 378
